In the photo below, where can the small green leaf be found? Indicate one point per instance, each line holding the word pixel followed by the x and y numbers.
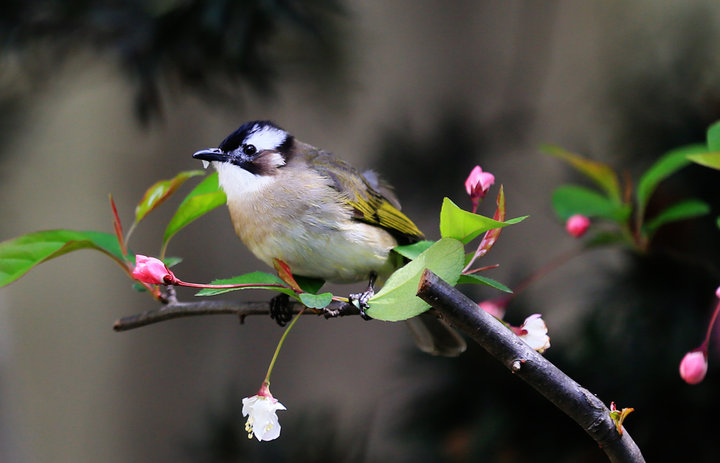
pixel 474 278
pixel 717 222
pixel 711 159
pixel 619 416
pixel 568 200
pixel 205 197
pixel 138 287
pixel 465 226
pixel 253 278
pixel 600 173
pixel 713 137
pixel 172 261
pixel 411 251
pixel 19 255
pixel 160 191
pixel 668 164
pixel 316 301
pixel 680 211
pixel 310 285
pixel 398 300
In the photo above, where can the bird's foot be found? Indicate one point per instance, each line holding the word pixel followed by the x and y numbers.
pixel 360 300
pixel 281 309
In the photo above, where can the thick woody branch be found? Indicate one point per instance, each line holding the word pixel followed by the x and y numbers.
pixel 175 309
pixel 574 400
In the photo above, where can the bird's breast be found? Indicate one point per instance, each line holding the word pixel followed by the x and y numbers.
pixel 311 229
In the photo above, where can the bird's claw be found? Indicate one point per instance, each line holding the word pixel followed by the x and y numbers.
pixel 360 300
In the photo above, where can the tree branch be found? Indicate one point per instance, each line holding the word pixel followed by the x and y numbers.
pixel 566 394
pixel 175 309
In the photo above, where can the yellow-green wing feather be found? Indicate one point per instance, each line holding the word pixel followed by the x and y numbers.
pixel 368 205
pixel 377 210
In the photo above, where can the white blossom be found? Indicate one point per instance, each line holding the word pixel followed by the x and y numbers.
pixel 534 332
pixel 262 418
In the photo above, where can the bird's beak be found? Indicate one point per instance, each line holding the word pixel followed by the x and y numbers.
pixel 211 154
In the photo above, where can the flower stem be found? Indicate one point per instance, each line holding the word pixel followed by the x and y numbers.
pixel 556 262
pixel 280 344
pixel 237 286
pixel 704 345
pixel 130 232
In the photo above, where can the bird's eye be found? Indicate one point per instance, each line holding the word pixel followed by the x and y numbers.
pixel 249 149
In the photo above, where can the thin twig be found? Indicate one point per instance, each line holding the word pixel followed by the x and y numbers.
pixel 175 309
pixel 566 394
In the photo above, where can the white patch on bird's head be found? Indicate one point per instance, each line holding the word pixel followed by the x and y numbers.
pixel 265 137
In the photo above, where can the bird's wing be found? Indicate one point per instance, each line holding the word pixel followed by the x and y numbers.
pixel 368 205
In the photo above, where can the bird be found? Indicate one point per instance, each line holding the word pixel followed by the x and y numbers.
pixel 291 201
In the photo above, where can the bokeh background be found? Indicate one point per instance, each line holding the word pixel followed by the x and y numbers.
pixel 100 97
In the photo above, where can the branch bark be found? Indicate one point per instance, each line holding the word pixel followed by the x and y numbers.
pixel 574 400
pixel 175 309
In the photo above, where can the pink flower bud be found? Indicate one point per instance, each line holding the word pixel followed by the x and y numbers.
pixel 153 271
pixel 717 292
pixel 693 367
pixel 478 183
pixel 494 307
pixel 577 225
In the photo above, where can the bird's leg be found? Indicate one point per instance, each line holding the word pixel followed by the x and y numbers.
pixel 280 309
pixel 363 298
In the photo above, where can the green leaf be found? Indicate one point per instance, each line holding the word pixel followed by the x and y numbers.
pixel 205 197
pixel 600 173
pixel 572 199
pixel 172 261
pixel 19 255
pixel 465 226
pixel 713 137
pixel 139 287
pixel 711 159
pixel 680 211
pixel 398 300
pixel 411 251
pixel 605 238
pixel 717 222
pixel 160 191
pixel 668 164
pixel 316 301
pixel 311 285
pixel 253 278
pixel 474 278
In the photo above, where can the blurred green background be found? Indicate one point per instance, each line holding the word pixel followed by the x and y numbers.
pixel 101 97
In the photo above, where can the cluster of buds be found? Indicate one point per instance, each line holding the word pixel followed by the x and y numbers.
pixel 261 409
pixel 533 330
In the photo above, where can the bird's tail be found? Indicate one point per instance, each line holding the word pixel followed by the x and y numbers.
pixel 434 336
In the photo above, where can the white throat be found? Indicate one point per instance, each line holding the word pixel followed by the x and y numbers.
pixel 238 182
